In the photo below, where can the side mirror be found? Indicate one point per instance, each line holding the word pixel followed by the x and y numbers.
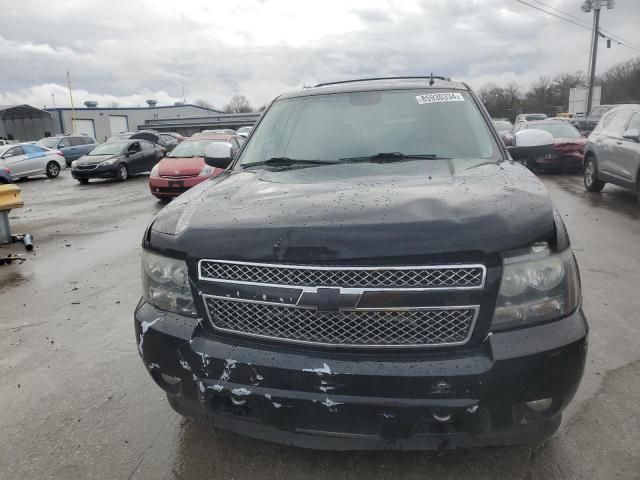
pixel 218 155
pixel 632 134
pixel 531 143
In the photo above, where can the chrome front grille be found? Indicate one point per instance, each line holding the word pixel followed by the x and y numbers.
pixel 437 326
pixel 450 276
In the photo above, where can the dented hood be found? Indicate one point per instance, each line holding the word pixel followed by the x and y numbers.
pixel 409 210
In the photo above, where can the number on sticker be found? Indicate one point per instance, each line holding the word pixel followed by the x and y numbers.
pixel 440 97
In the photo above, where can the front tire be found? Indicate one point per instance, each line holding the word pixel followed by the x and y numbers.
pixel 123 172
pixel 591 182
pixel 52 170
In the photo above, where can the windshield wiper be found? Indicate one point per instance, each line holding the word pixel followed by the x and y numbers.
pixel 393 157
pixel 286 162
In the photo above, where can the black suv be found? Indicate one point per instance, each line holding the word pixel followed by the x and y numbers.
pixel 371 271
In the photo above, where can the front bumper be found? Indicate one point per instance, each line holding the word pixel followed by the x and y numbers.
pixel 330 399
pixel 172 187
pixel 561 161
pixel 108 171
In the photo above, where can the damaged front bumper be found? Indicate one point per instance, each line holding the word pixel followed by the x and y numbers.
pixel 332 399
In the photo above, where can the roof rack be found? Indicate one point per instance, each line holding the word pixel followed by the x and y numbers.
pixel 430 77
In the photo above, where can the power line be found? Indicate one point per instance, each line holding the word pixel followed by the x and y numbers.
pixel 610 34
pixel 582 25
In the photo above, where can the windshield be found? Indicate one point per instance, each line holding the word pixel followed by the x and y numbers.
pixel 108 149
pixel 345 125
pixel 502 125
pixel 191 148
pixel 558 130
pixel 49 142
pixel 535 116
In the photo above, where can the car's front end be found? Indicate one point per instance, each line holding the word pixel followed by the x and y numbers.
pixel 354 302
pixel 182 169
pixel 87 168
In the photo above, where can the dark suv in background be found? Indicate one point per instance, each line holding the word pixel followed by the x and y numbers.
pixel 372 270
pixel 71 146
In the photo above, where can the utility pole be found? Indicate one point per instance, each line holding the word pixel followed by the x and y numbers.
pixel 73 112
pixel 596 6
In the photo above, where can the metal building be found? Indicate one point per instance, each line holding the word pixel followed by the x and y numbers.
pixel 24 122
pixel 187 126
pixel 101 123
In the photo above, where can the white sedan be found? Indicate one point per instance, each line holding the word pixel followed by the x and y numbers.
pixel 24 160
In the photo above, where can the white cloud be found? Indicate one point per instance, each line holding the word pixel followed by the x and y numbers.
pixel 128 51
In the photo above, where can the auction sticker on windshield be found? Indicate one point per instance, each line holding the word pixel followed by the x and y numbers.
pixel 440 97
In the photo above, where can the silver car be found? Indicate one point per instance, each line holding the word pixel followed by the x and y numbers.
pixel 25 160
pixel 612 154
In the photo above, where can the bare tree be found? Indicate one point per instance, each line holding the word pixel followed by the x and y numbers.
pixel 204 104
pixel 238 104
pixel 540 95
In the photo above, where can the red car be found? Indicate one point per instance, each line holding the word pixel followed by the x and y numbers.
pixel 184 166
pixel 568 145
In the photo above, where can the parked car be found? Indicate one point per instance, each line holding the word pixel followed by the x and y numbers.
pixel 377 273
pixel 175 135
pixel 26 160
pixel 5 176
pixel 184 166
pixel 528 117
pixel 244 131
pixel 568 145
pixel 150 136
pixel 71 146
pixel 505 130
pixel 218 131
pixel 121 136
pixel 612 153
pixel 170 141
pixel 117 159
pixel 587 124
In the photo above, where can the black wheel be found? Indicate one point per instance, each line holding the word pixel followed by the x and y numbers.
pixel 591 182
pixel 123 172
pixel 83 181
pixel 52 170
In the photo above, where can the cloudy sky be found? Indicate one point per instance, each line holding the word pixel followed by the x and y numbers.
pixel 129 51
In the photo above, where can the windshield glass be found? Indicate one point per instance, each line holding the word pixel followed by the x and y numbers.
pixel 502 125
pixel 558 130
pixel 108 149
pixel 535 116
pixel 191 148
pixel 49 142
pixel 331 127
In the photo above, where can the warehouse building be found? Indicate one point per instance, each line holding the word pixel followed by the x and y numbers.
pixel 27 123
pixel 101 123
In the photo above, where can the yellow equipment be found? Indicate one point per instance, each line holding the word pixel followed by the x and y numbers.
pixel 10 198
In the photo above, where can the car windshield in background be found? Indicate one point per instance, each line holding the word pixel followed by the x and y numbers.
pixel 108 149
pixel 558 130
pixel 191 148
pixel 361 124
pixel 502 125
pixel 4 148
pixel 538 116
pixel 49 142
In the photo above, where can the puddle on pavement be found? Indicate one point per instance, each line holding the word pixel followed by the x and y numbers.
pixel 11 277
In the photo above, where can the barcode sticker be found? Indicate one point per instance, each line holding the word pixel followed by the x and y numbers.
pixel 440 97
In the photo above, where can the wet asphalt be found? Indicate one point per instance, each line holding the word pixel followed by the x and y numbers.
pixel 77 403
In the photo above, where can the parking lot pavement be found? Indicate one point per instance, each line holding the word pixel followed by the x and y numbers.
pixel 76 402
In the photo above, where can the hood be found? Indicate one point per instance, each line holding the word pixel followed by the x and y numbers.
pixel 404 210
pixel 93 159
pixel 180 166
pixel 569 144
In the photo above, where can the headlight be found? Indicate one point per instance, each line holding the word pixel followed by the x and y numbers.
pixel 73 164
pixel 165 284
pixel 537 287
pixel 108 162
pixel 154 170
pixel 206 171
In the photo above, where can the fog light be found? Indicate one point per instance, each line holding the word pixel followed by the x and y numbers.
pixel 169 379
pixel 540 405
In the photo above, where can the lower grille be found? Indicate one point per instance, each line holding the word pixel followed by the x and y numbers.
pixel 433 326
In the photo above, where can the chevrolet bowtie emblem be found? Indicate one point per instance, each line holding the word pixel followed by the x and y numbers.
pixel 328 300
